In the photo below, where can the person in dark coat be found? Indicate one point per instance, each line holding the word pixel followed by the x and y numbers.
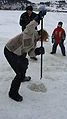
pixel 58 37
pixel 26 17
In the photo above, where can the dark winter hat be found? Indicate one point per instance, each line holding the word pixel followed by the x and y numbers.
pixel 29 8
pixel 60 23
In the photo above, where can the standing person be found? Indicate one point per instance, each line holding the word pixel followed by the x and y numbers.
pixel 58 37
pixel 25 19
pixel 15 52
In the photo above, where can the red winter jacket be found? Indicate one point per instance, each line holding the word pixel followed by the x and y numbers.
pixel 58 34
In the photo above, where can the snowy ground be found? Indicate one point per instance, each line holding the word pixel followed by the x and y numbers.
pixel 51 104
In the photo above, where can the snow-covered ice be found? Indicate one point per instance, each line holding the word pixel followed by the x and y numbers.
pixel 51 104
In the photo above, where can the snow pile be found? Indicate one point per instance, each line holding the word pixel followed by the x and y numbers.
pixel 37 87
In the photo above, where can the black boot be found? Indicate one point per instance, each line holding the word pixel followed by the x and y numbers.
pixel 27 78
pixel 15 96
pixel 13 93
pixel 33 58
pixel 52 52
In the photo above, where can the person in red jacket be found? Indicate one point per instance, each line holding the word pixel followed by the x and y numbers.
pixel 58 37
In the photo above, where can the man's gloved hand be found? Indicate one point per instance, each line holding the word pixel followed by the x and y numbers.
pixel 41 14
pixel 39 50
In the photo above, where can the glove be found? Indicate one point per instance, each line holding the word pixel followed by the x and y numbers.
pixel 52 40
pixel 52 37
pixel 39 50
pixel 43 11
pixel 41 14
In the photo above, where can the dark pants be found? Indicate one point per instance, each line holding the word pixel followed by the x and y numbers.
pixel 19 64
pixel 54 48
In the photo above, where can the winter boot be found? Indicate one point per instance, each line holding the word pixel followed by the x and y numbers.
pixel 64 54
pixel 52 53
pixel 15 96
pixel 33 58
pixel 13 93
pixel 27 78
